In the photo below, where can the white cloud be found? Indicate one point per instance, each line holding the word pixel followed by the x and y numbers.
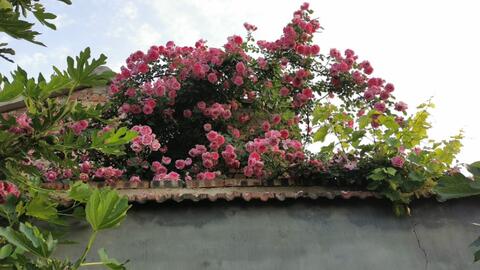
pixel 145 36
pixel 34 61
pixel 63 21
pixel 5 39
pixel 129 10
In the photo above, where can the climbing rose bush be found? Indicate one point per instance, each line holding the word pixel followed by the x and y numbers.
pixel 251 108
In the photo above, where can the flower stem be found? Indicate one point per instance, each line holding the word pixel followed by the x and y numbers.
pixel 87 249
pixel 91 263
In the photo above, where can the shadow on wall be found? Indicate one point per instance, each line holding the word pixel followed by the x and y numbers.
pixel 295 234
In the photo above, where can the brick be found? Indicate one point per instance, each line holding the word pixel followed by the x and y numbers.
pixel 253 182
pixel 229 182
pixel 137 185
pixel 191 184
pixel 277 182
pixel 156 184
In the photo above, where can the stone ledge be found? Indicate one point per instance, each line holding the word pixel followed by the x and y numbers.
pixel 159 195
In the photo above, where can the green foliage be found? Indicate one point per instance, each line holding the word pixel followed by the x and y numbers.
pixel 458 185
pixel 321 133
pixel 28 238
pixel 5 52
pixel 47 114
pixel 24 246
pixel 12 25
pixel 106 209
pixel 42 207
pixel 11 12
pixel 352 136
pixel 112 142
pixel 81 71
pixel 6 251
pixel 80 192
pixel 109 262
pixel 10 90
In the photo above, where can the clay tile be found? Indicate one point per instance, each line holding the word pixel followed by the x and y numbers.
pixel 280 196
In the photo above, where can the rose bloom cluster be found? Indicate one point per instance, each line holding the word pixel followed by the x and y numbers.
pixel 204 112
pixel 145 139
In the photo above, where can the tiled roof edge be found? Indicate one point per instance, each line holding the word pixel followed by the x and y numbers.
pixel 160 195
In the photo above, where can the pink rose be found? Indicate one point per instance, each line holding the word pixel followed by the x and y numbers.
pixel 24 121
pixel 135 179
pixel 147 110
pixel 83 177
pixel 212 135
pixel 51 176
pixel 155 145
pixel 315 49
pixel 380 106
pixel 284 91
pixel 240 68
pixel 180 164
pixel 166 160
pixel 401 106
pixel 212 78
pixel 265 126
pixel 397 161
pixel 145 130
pixel 207 127
pixel 389 87
pixel 147 139
pixel 131 92
pixel 238 81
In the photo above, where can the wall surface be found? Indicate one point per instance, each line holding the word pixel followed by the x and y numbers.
pixel 295 234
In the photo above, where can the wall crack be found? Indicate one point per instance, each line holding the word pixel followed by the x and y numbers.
pixel 419 243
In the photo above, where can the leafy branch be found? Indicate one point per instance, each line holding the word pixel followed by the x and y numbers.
pixel 13 25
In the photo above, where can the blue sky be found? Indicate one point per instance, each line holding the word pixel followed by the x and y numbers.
pixel 426 48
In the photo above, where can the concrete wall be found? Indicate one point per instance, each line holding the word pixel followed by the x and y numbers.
pixel 300 234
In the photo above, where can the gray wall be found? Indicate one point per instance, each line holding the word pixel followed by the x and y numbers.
pixel 296 234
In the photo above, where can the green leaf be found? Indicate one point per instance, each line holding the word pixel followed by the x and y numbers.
pixel 6 50
pixel 42 207
pixel 112 142
pixel 80 192
pixel 474 169
pixel 106 209
pixel 58 81
pixel 322 112
pixel 321 133
pixel 357 136
pixel 4 4
pixel 416 177
pixel 29 238
pixel 82 71
pixel 377 174
pixel 6 251
pixel 390 171
pixel 11 90
pixel 11 24
pixel 389 122
pixel 110 263
pixel 42 16
pixel 455 186
pixel 363 121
